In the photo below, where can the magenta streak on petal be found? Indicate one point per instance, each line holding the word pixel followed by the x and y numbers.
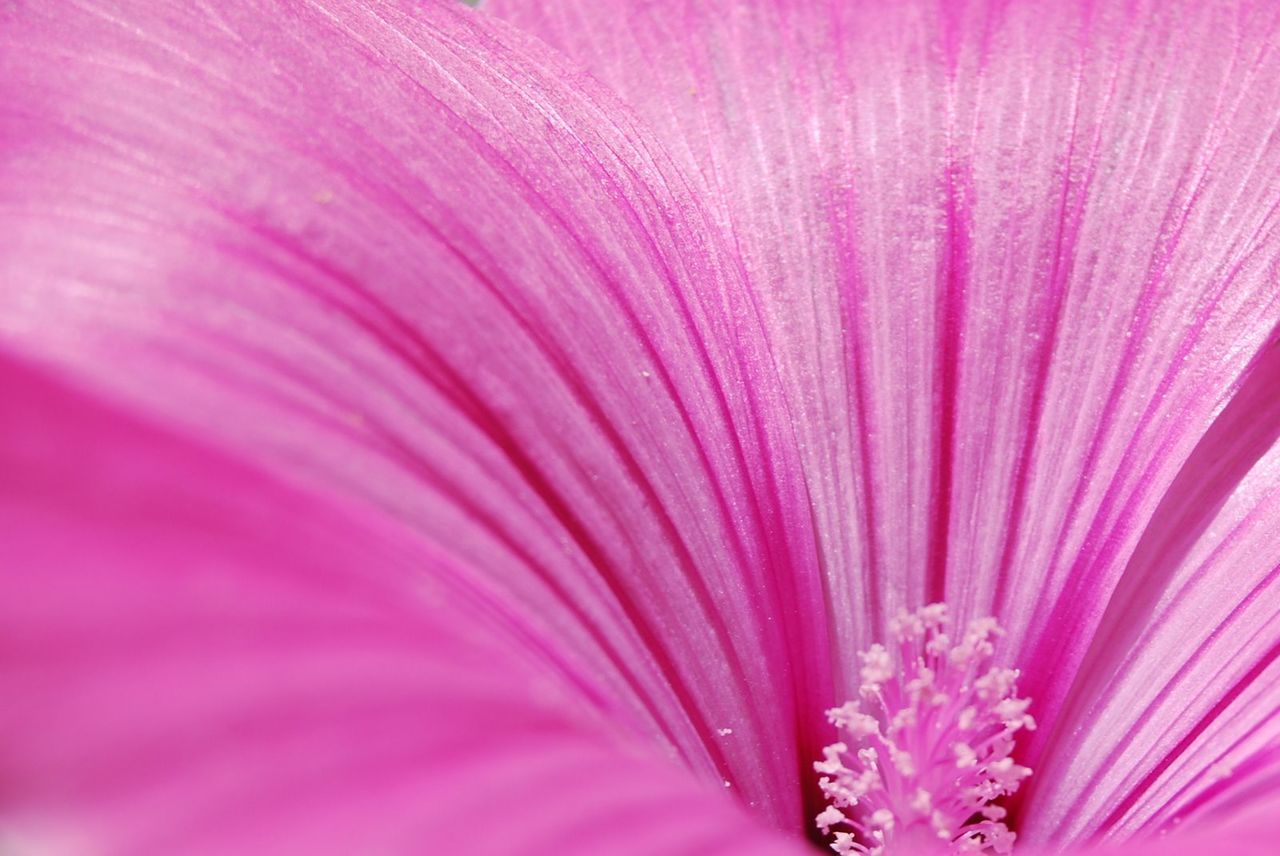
pixel 293 270
pixel 1161 450
pixel 854 321
pixel 486 600
pixel 1079 585
pixel 1260 589
pixel 580 33
pixel 770 575
pixel 1058 284
pixel 430 365
pixel 286 682
pixel 569 372
pixel 806 619
pixel 950 288
pixel 749 428
pixel 951 299
pixel 954 266
pixel 856 324
pixel 425 360
pixel 1101 548
pixel 1271 656
pixel 1236 790
pixel 714 174
pixel 593 550
pixel 1243 432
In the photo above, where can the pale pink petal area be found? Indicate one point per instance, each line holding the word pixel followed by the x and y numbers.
pixel 196 658
pixel 673 381
pixel 398 252
pixel 1252 832
pixel 1177 711
pixel 1014 259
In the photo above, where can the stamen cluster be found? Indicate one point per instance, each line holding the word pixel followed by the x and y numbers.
pixel 927 747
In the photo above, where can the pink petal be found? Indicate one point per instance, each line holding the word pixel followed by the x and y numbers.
pixel 1251 834
pixel 1178 707
pixel 395 251
pixel 426 266
pixel 1013 258
pixel 198 659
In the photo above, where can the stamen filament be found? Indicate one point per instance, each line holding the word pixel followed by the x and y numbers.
pixel 927 746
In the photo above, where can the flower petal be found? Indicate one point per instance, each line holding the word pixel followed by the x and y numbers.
pixel 1177 709
pixel 1014 258
pixel 393 250
pixel 199 659
pixel 1251 834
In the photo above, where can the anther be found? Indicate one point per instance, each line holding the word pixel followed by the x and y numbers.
pixel 927 747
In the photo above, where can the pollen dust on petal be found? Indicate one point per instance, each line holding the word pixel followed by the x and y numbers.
pixel 926 749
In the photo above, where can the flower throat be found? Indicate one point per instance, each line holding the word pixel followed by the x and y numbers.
pixel 926 748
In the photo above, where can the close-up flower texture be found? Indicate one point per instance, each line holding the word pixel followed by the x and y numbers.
pixel 629 427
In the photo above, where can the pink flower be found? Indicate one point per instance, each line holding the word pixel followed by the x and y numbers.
pixel 427 433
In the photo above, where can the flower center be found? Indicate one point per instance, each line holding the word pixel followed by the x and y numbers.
pixel 927 747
